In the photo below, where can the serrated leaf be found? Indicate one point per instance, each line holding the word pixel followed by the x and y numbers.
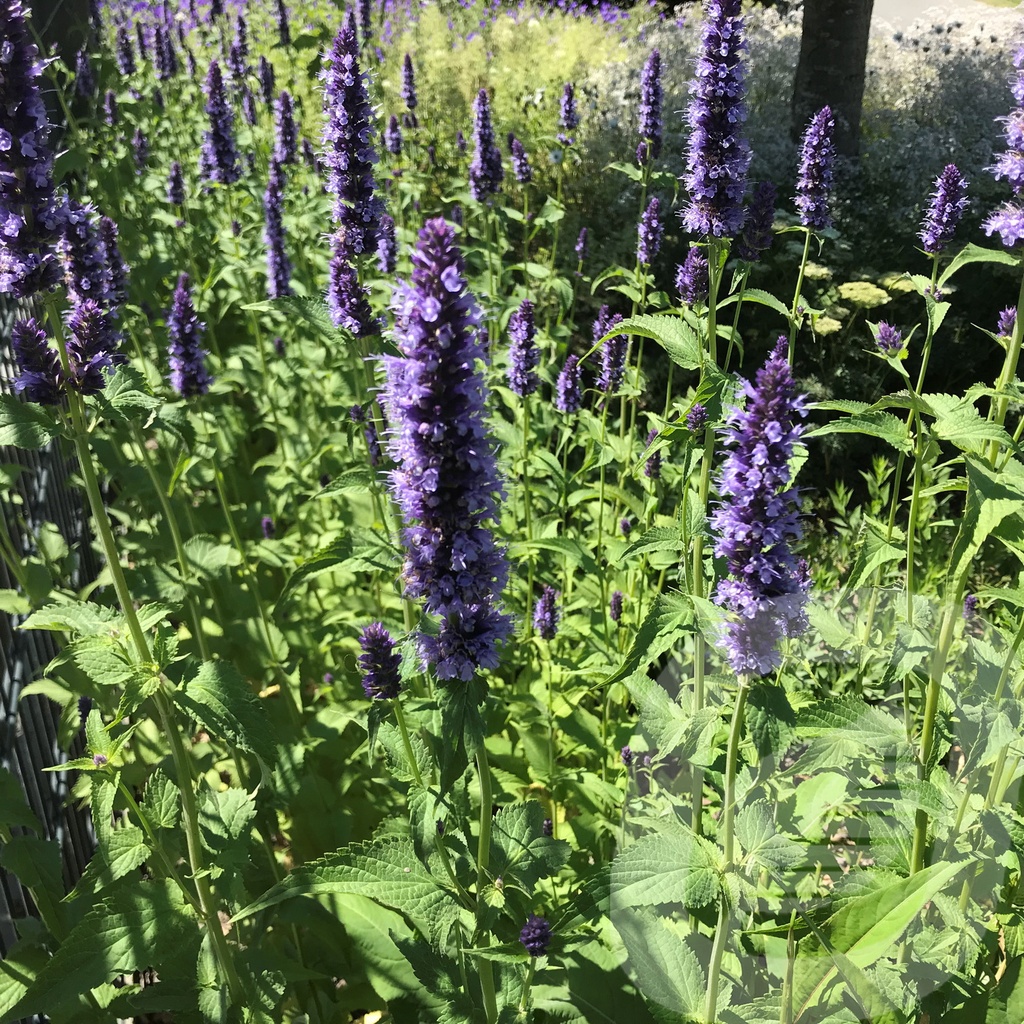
pixel 761 297
pixel 124 850
pixel 219 698
pixel 102 660
pixel 314 312
pixel 359 479
pixel 971 253
pixel 965 427
pixel 762 842
pixel 13 808
pixel 663 868
pixel 520 851
pixel 75 617
pixel 669 618
pixel 672 333
pixel 18 970
pixel 658 538
pixel 770 720
pixel 24 425
pixel 208 557
pixel 161 802
pixel 127 392
pixel 882 425
pixel 843 730
pixel 225 816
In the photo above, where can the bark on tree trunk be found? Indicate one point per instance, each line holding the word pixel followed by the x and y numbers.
pixel 833 55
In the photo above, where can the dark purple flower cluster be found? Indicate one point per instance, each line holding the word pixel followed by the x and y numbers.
pixel 365 26
pixel 165 57
pixel 949 202
pixel 696 418
pixel 546 615
pixel 85 80
pixel 393 136
pixel 649 233
pixel 219 158
pixel 581 245
pixel 568 388
pixel 757 228
pixel 649 119
pixel 889 339
pixel 238 54
pixel 115 283
pixel 652 467
pixel 140 151
pixel 110 108
pixel 1008 220
pixel 520 163
pixel 347 300
pixel 124 53
pixel 718 154
pixel 189 376
pixel 485 172
pixel 817 170
pixel 279 268
pixel 268 527
pixel 523 356
pixel 39 373
pixel 758 520
pixel 692 277
pixel 286 136
pixel 265 76
pixel 460 142
pixel 348 145
pixel 1007 322
pixel 615 606
pixel 284 32
pixel 176 186
pixel 613 352
pixel 380 663
pixel 92 346
pixel 250 115
pixel 81 254
pixel 409 83
pixel 446 484
pixel 30 212
pixel 536 935
pixel 387 245
pixel 626 756
pixel 568 116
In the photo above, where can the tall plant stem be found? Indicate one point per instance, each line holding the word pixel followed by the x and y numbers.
pixel 1001 401
pixel 528 503
pixel 182 762
pixel 736 315
pixel 483 856
pixel 794 317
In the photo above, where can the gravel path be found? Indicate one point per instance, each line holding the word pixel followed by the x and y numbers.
pixel 901 14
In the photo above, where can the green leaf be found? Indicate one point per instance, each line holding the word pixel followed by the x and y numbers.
pixel 36 862
pixel 762 298
pixel 161 802
pixel 672 333
pixel 843 730
pixel 571 549
pixel 13 808
pixel 208 556
pixel 134 929
pixel 18 970
pixel 123 851
pixel 24 425
pixel 658 538
pixel 311 311
pixel 971 253
pixel 675 866
pixel 102 660
pixel 690 737
pixel 670 617
pixel 874 549
pixel 520 850
pixel 13 603
pixel 225 818
pixel 882 425
pixel 222 701
pixel 965 427
pixel 762 842
pixel 865 930
pixel 386 871
pixel 359 479
pixel 128 393
pixel 770 720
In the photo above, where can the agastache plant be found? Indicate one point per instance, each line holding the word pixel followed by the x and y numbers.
pixel 279 268
pixel 1008 220
pixel 523 356
pixel 286 136
pixel 946 210
pixel 189 376
pixel 817 171
pixel 446 484
pixel 568 116
pixel 649 126
pixel 485 172
pixel 219 158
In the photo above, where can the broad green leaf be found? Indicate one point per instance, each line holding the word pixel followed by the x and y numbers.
pixel 74 617
pixel 327 559
pixel 311 311
pixel 161 803
pixel 102 660
pixel 24 425
pixel 770 720
pixel 843 730
pixel 965 427
pixel 865 930
pixel 666 867
pixel 128 393
pixel 971 253
pixel 689 737
pixel 882 425
pixel 13 808
pixel 18 970
pixel 670 617
pixel 762 841
pixel 219 698
pixel 658 538
pixel 125 850
pixel 759 296
pixel 359 479
pixel 873 550
pixel 675 336
pixel 520 850
pixel 225 817
pixel 208 556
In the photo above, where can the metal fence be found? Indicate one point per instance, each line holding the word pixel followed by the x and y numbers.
pixel 28 727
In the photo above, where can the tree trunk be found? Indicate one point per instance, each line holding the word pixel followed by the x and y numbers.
pixel 833 55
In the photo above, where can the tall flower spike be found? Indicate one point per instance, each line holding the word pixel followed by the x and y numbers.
pixel 125 52
pixel 757 228
pixel 30 212
pixel 347 300
pixel 140 151
pixel 520 163
pixel 568 116
pixel 652 467
pixel 581 245
pixel 949 202
pixel 692 277
pixel 81 253
pixel 265 74
pixel 409 83
pixel 176 185
pixel 758 520
pixel 110 108
pixel 92 346
pixel 446 484
pixel 85 80
pixel 219 157
pixel 545 614
pixel 348 145
pixel 387 246
pixel 568 389
pixel 817 170
pixel 279 268
pixel 613 352
pixel 380 663
pixel 115 285
pixel 649 126
pixel 189 376
pixel 39 374
pixel 485 172
pixel 650 233
pixel 284 32
pixel 523 356
pixel 718 154
pixel 286 136
pixel 393 136
pixel 1008 220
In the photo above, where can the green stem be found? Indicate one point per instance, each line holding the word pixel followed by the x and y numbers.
pixel 794 319
pixel 482 860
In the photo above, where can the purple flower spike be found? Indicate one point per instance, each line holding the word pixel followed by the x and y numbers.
pixel 696 418
pixel 250 115
pixel 649 119
pixel 140 151
pixel 536 935
pixel 613 352
pixel 692 277
pixel 387 246
pixel 408 83
pixel 485 172
pixel 393 136
pixel 86 275
pixel 265 74
pixel 219 158
pixel 523 356
pixel 284 32
pixel 286 136
pixel 718 155
pixel 115 284
pixel 626 756
pixel 279 268
pixel 460 142
pixel 521 163
pixel 652 467
pixel 1008 220
pixel 85 80
pixel 30 213
pixel 949 201
pixel 889 339
pixel 545 614
pixel 92 346
pixel 446 484
pixel 124 52
pixel 1008 223
pixel 568 116
pixel 757 228
pixel 39 374
pixel 176 186
pixel 817 170
pixel 615 606
pixel 581 245
pixel 187 359
pixel 626 526
pixel 268 528
pixel 346 297
pixel 568 389
pixel 348 145
pixel 1007 322
pixel 110 108
pixel 650 233
pixel 758 520
pixel 380 663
